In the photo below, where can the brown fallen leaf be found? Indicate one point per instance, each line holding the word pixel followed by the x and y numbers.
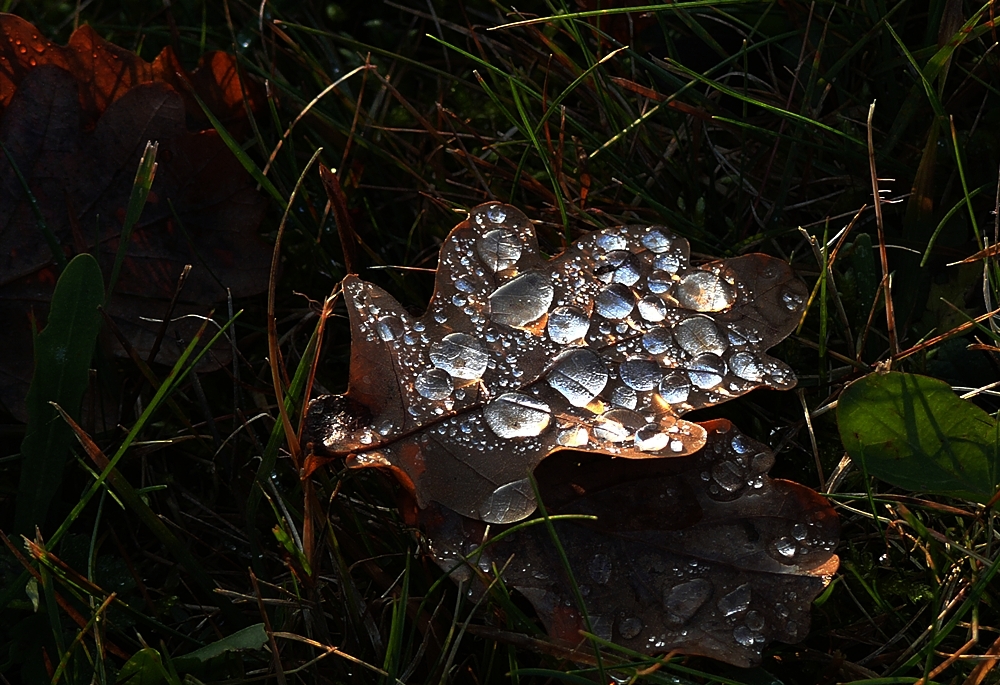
pixel 74 121
pixel 705 554
pixel 600 349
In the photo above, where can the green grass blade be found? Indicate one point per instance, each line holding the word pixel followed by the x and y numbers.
pixel 137 200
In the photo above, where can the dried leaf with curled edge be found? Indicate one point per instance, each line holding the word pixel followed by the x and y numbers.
pixel 705 554
pixel 601 349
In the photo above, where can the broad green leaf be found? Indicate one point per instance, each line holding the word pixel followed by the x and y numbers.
pixel 252 637
pixel 916 433
pixel 63 352
pixel 144 668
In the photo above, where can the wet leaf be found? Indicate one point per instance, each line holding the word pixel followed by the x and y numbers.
pixel 704 554
pixel 74 122
pixel 916 433
pixel 601 349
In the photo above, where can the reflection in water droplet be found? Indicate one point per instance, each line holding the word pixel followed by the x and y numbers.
pixel 567 325
pixel 699 335
pixel 675 388
pixel 615 302
pixel 746 366
pixel 703 291
pixel 617 425
pixel 652 309
pixel 389 328
pixel 655 241
pixel 522 300
pixel 496 214
pixel 743 635
pixel 640 374
pixel 785 547
pixel 736 601
pixel 508 503
pixel 683 601
pixel 461 355
pixel 659 282
pixel 579 375
pixel 434 384
pixel 629 627
pixel 499 249
pixel 600 569
pixel 515 415
pixel 624 396
pixel 650 439
pixel 706 371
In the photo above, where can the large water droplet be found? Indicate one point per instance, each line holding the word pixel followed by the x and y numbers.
pixel 389 328
pixel 615 302
pixel 729 476
pixel 575 436
pixel 515 415
pixel 522 300
pixel 619 266
pixel 683 601
pixel 668 262
pixel 567 325
pixel 746 366
pixel 579 375
pixel 743 635
pixel 736 601
pixel 496 214
pixel 659 282
pixel 703 291
pixel 640 374
pixel 699 335
pixel 755 621
pixel 656 241
pixel 650 438
pixel 624 396
pixel 460 355
pixel 706 371
pixel 652 309
pixel 785 547
pixel 600 569
pixel 508 503
pixel 434 384
pixel 675 388
pixel 618 425
pixel 608 240
pixel 658 340
pixel 499 249
pixel 629 627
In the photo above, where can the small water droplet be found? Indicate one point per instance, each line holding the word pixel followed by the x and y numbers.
pixel 659 282
pixel 615 302
pixel 729 476
pixel 576 436
pixel 792 300
pixel 496 214
pixel 682 601
pixel 736 601
pixel 785 547
pixel 608 240
pixel 656 241
pixel 434 384
pixel 522 300
pixel 799 532
pixel 699 335
pixel 668 262
pixel 624 396
pixel 508 503
pixel 640 374
pixel 618 425
pixel 649 438
pixel 703 291
pixel 567 325
pixel 499 249
pixel 389 328
pixel 629 627
pixel 600 569
pixel 460 355
pixel 516 415
pixel 755 620
pixel 743 635
pixel 619 266
pixel 675 388
pixel 579 375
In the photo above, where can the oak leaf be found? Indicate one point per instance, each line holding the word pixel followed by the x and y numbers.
pixel 601 349
pixel 74 122
pixel 704 554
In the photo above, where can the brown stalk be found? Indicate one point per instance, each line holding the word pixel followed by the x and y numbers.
pixel 275 653
pixel 983 669
pixel 890 315
pixel 345 227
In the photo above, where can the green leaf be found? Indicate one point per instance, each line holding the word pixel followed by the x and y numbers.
pixel 252 637
pixel 63 352
pixel 916 433
pixel 144 668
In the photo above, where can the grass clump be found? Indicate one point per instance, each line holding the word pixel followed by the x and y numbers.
pixel 741 125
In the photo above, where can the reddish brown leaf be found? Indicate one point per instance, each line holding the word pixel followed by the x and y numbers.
pixel 602 349
pixel 705 554
pixel 75 120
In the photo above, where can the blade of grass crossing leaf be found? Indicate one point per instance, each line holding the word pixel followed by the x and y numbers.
pixel 63 352
pixel 43 226
pixel 144 176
